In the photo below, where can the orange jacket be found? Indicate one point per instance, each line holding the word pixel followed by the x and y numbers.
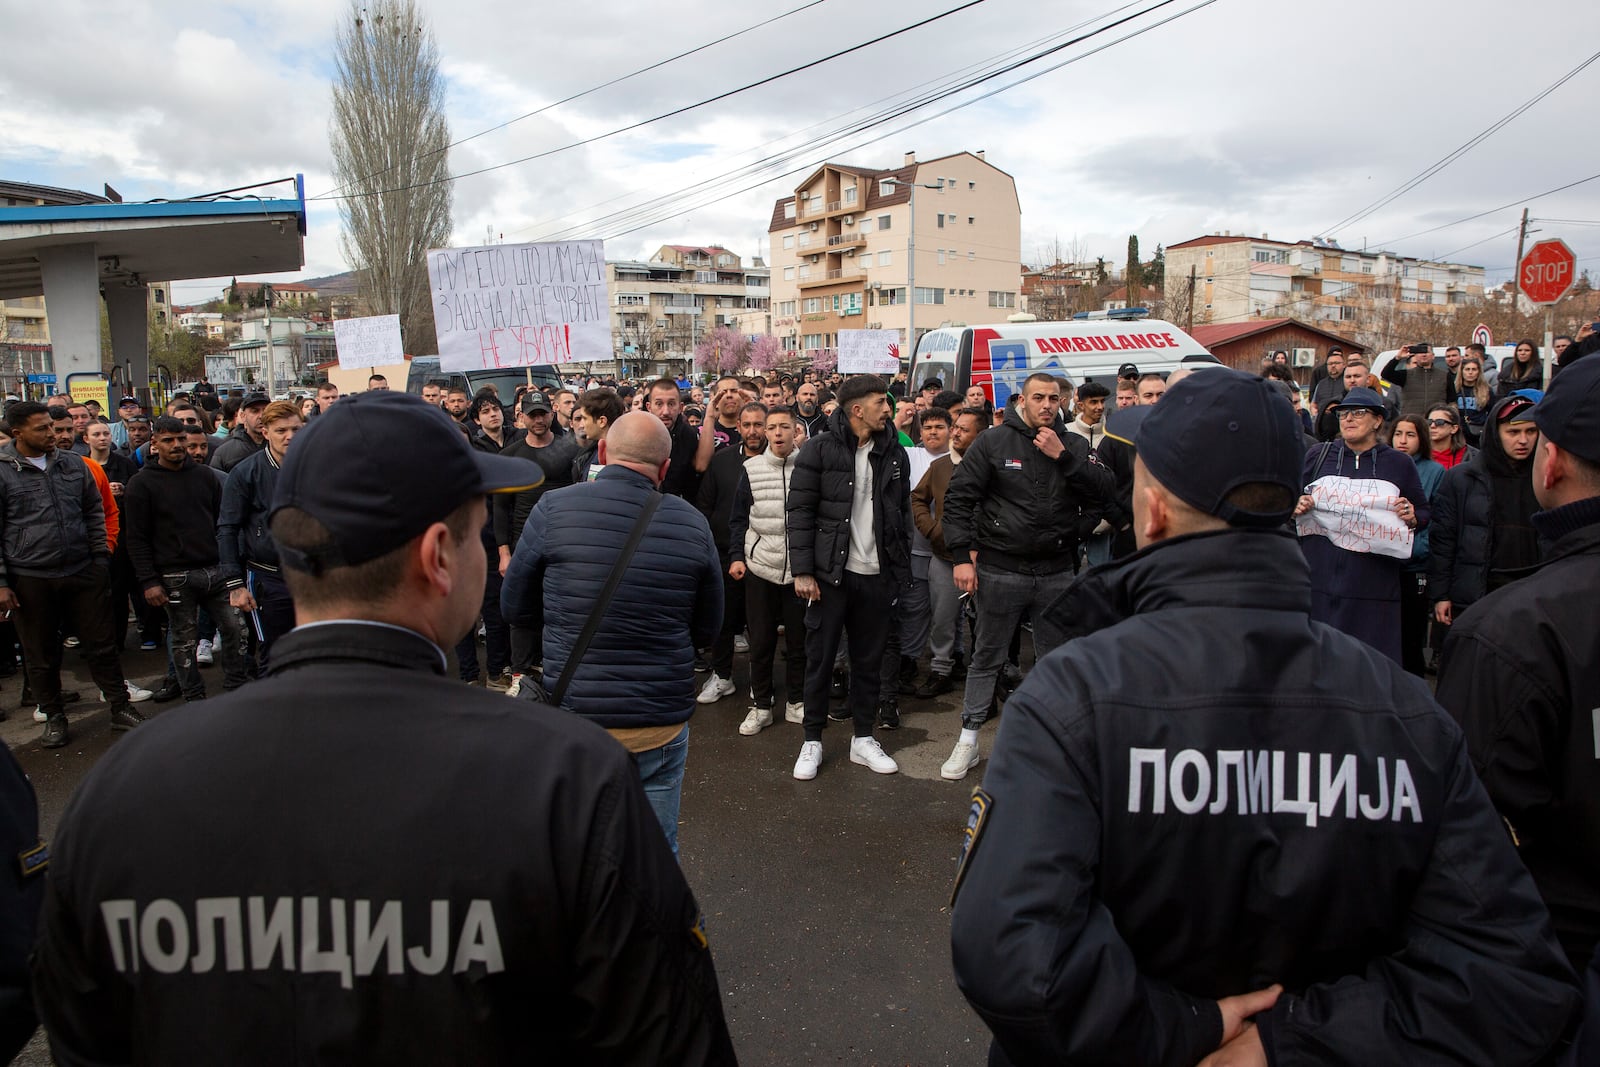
pixel 113 520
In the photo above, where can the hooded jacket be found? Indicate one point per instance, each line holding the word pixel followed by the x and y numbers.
pixel 1020 509
pixel 820 494
pixel 1461 536
pixel 52 521
pixel 1205 792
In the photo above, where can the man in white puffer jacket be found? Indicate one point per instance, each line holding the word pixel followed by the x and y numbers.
pixel 759 553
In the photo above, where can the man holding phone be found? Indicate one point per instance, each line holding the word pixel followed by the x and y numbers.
pixel 1425 382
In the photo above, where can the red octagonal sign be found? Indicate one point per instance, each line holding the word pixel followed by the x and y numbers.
pixel 1547 272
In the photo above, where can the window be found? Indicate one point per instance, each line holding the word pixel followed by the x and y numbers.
pixel 929 296
pixel 788 209
pixel 1002 300
pixel 836 302
pixel 629 300
pixel 788 274
pixel 971 219
pixel 812 305
pixel 885 258
pixel 705 277
pixel 852 304
pixel 850 194
pixel 972 185
pixel 161 296
pixel 724 261
pixel 972 255
pixel 805 240
pixel 891 297
pixel 941 257
pixel 788 240
pixel 865 226
pixel 786 307
pixel 1271 255
pixel 813 340
pixel 1208 253
pixel 883 221
pixel 941 220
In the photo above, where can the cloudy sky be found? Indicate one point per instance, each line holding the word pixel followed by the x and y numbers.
pixel 1252 116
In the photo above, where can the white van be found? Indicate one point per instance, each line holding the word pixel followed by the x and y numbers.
pixel 1000 357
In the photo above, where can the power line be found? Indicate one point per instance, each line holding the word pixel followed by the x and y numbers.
pixel 1491 211
pixel 669 114
pixel 956 107
pixel 1460 151
pixel 831 133
pixel 587 92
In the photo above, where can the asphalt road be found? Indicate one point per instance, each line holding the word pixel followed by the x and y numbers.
pixel 827 902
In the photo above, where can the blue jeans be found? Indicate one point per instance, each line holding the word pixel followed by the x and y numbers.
pixel 661 774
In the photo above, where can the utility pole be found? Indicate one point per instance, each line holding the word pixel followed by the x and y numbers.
pixel 1516 271
pixel 911 264
pixel 1190 328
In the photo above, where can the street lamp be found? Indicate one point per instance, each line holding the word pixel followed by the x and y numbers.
pixel 911 262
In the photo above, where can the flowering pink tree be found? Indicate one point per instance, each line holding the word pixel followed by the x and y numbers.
pixel 766 352
pixel 825 360
pixel 723 351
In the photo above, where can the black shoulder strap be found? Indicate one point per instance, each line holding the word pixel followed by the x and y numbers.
pixel 603 601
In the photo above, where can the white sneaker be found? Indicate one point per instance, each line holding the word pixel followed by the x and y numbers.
pixel 962 760
pixel 202 653
pixel 759 719
pixel 39 715
pixel 137 694
pixel 867 752
pixel 794 711
pixel 715 689
pixel 741 643
pixel 515 687
pixel 805 768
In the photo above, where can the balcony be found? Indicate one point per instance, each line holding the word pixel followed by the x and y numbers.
pixel 846 240
pixel 833 277
pixel 674 309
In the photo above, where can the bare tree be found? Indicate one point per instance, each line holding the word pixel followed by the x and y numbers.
pixel 390 156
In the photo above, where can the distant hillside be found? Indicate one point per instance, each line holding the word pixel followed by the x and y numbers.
pixel 334 284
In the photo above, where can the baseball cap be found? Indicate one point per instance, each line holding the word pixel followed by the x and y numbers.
pixel 340 472
pixel 1361 397
pixel 1212 433
pixel 535 402
pixel 253 399
pixel 1514 408
pixel 1569 414
pixel 125 401
pixel 1128 370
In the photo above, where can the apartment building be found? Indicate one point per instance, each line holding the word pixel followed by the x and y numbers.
pixel 842 248
pixel 1239 277
pixel 663 306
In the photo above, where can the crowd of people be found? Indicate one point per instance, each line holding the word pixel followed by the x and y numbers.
pixel 1215 573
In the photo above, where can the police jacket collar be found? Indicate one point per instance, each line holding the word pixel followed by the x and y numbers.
pixel 1260 569
pixel 356 640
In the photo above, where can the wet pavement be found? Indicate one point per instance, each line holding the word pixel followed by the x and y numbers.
pixel 827 902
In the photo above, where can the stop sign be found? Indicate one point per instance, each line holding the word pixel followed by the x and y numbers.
pixel 1547 272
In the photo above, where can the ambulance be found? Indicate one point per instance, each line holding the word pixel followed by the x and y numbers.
pixel 1090 347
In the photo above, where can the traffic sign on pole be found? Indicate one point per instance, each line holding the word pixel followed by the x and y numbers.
pixel 1547 272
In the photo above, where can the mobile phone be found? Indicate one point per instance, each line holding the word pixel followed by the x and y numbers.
pixel 1418 350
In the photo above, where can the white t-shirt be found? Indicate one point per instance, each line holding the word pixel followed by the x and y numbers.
pixel 37 461
pixel 863 556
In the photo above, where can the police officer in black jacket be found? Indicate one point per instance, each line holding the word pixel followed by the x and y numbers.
pixel 357 859
pixel 1210 822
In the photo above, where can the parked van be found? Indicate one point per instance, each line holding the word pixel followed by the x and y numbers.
pixel 425 369
pixel 1000 357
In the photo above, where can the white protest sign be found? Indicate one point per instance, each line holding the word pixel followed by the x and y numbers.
pixel 869 352
pixel 370 342
pixel 515 305
pixel 1357 515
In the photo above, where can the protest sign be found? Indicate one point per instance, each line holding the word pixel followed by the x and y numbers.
pixel 516 305
pixel 373 341
pixel 1357 515
pixel 869 352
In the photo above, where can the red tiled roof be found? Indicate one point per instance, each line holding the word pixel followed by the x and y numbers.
pixel 1213 239
pixel 1212 334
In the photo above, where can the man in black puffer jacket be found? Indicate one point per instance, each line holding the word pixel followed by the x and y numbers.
pixel 849 523
pixel 1011 522
pixel 1483 513
pixel 1205 793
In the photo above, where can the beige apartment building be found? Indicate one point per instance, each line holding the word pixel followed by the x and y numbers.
pixel 1238 278
pixel 25 335
pixel 842 249
pixel 662 307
